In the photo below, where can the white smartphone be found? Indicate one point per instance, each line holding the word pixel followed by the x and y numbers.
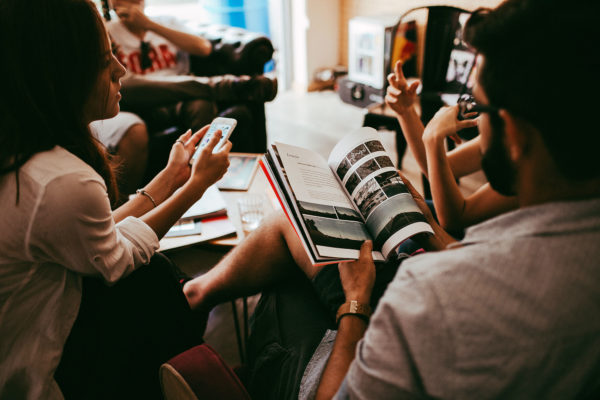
pixel 226 125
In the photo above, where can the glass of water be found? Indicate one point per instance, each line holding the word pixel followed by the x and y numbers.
pixel 251 209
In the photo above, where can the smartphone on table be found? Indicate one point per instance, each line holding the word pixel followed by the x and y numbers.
pixel 226 125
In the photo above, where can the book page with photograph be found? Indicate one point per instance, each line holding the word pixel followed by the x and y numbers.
pixel 371 181
pixel 324 212
pixel 275 174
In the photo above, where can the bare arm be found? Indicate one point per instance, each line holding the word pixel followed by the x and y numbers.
pixel 401 98
pixel 466 158
pixel 136 21
pixel 189 43
pixel 183 185
pixel 357 279
pixel 350 331
pixel 454 210
pixel 412 128
pixel 165 183
pixel 440 238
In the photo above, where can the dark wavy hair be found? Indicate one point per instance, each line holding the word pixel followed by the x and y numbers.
pixel 541 65
pixel 53 52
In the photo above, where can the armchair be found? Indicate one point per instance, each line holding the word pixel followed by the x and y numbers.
pixel 200 373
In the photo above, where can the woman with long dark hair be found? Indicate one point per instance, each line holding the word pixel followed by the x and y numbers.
pixel 63 331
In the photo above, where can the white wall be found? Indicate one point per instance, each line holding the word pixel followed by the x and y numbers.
pixel 281 37
pixel 315 38
pixel 300 24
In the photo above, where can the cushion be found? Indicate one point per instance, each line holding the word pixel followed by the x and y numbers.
pixel 200 373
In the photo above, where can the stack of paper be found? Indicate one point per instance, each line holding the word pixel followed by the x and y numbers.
pixel 205 220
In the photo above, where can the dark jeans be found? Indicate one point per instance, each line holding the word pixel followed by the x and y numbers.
pixel 193 104
pixel 125 332
pixel 289 323
pixel 139 93
pixel 161 105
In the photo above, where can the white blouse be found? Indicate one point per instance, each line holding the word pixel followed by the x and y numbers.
pixel 61 228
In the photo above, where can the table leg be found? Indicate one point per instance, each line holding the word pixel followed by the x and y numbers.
pixel 238 333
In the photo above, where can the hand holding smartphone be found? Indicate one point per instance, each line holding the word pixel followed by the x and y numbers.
pixel 226 125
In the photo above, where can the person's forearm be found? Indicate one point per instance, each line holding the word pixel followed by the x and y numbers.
pixel 350 331
pixel 159 189
pixel 466 158
pixel 162 218
pixel 189 43
pixel 412 128
pixel 447 197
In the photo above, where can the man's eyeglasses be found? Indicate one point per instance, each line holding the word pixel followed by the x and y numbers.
pixel 467 104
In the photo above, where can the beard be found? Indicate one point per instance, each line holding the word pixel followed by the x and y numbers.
pixel 495 162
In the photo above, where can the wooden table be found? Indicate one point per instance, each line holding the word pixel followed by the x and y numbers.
pixel 259 185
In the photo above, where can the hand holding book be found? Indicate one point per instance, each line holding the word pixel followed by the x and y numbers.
pixel 440 238
pixel 358 277
pixel 336 205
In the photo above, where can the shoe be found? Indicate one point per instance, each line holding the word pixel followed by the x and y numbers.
pixel 245 88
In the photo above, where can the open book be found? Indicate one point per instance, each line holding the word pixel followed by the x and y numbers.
pixel 336 205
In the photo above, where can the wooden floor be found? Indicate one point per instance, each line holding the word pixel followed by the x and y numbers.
pixel 316 121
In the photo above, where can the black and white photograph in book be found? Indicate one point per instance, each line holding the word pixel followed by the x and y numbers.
pixel 348 214
pixel 384 162
pixel 391 183
pixel 333 226
pixel 317 209
pixel 369 196
pixel 367 168
pixel 374 146
pixel 352 182
pixel 321 210
pixel 357 153
pixel 343 168
pixel 393 220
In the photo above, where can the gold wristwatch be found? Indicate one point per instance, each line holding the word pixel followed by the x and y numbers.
pixel 353 307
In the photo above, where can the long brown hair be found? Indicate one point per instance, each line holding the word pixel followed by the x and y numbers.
pixel 53 52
